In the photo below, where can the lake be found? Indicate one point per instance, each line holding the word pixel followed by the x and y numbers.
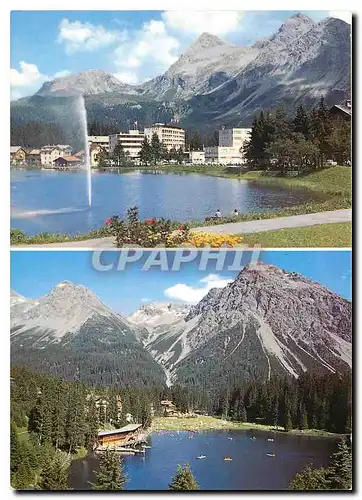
pixel 53 201
pixel 250 469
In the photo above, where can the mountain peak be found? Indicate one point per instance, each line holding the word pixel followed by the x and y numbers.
pixel 205 41
pixel 88 82
pixel 294 27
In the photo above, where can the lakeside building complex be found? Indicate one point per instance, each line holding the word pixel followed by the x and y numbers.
pixel 131 143
pixel 171 136
pixel 96 144
pixel 229 151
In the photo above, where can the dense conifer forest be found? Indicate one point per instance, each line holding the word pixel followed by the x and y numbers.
pixel 53 420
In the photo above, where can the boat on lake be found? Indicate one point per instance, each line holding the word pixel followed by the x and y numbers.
pixel 201 457
pixel 227 459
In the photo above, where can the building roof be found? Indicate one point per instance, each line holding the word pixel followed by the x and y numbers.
pixel 98 138
pixel 164 125
pixel 126 428
pixel 15 149
pixel 68 159
pixel 50 147
pixel 80 153
pixel 34 152
pixel 345 109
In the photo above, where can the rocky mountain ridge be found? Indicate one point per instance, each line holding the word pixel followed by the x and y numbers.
pixel 266 322
pixel 216 83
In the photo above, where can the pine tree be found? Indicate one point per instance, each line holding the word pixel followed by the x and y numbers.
pixel 110 476
pixel 302 417
pixel 15 448
pixel 120 156
pixel 310 479
pixel 54 476
pixel 302 123
pixel 156 148
pixel 145 153
pixel 183 479
pixel 340 471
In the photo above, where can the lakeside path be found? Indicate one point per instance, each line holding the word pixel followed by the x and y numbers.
pixel 254 226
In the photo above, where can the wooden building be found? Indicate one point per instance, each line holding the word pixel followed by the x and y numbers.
pixel 127 435
pixel 342 111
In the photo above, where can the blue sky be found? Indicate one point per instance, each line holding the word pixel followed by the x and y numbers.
pixel 133 45
pixel 34 274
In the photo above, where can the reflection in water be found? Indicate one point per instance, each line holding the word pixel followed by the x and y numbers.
pixel 41 197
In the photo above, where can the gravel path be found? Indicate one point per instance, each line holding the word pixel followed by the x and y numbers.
pixel 254 226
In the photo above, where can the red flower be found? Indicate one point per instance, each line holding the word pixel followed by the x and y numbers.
pixel 181 228
pixel 148 222
pixel 108 221
pixel 153 220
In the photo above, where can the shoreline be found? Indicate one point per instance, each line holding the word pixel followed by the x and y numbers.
pixel 206 423
pixel 332 183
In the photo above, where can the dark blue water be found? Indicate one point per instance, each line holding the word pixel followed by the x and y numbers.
pixel 178 197
pixel 250 469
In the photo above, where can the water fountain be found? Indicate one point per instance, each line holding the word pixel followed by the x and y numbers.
pixel 87 162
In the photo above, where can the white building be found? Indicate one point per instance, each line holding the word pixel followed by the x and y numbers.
pixel 233 137
pixel 171 136
pixel 223 155
pixel 229 151
pixel 197 157
pixel 96 144
pixel 51 152
pixel 131 143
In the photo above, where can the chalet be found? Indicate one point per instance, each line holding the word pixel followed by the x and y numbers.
pixel 170 408
pixel 17 155
pixel 33 157
pixel 127 435
pixel 51 152
pixel 67 161
pixel 343 111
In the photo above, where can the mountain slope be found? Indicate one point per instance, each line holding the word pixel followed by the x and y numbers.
pixel 213 83
pixel 268 321
pixel 206 64
pixel 301 62
pixel 71 333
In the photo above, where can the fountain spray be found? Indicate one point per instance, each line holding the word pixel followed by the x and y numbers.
pixel 87 162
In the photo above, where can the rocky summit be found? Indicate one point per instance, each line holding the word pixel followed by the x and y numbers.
pixel 268 321
pixel 213 82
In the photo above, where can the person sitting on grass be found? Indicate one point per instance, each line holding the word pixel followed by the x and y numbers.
pixel 218 214
pixel 235 212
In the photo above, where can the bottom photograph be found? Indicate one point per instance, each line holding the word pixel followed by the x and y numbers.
pixel 181 370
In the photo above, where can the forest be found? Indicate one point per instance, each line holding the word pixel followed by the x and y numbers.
pixel 53 420
pixel 298 143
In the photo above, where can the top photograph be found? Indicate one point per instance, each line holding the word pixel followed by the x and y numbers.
pixel 219 129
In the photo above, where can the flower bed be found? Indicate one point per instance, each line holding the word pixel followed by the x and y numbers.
pixel 148 233
pixel 162 232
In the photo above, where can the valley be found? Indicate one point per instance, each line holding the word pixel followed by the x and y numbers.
pixel 213 83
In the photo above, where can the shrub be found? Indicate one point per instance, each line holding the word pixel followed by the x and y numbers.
pixel 148 233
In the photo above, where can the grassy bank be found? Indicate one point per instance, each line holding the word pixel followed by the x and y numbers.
pixel 207 423
pixel 324 235
pixel 335 180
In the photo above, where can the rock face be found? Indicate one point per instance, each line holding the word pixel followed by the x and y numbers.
pixel 266 322
pixel 205 65
pixel 90 82
pixel 215 83
pixel 70 332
